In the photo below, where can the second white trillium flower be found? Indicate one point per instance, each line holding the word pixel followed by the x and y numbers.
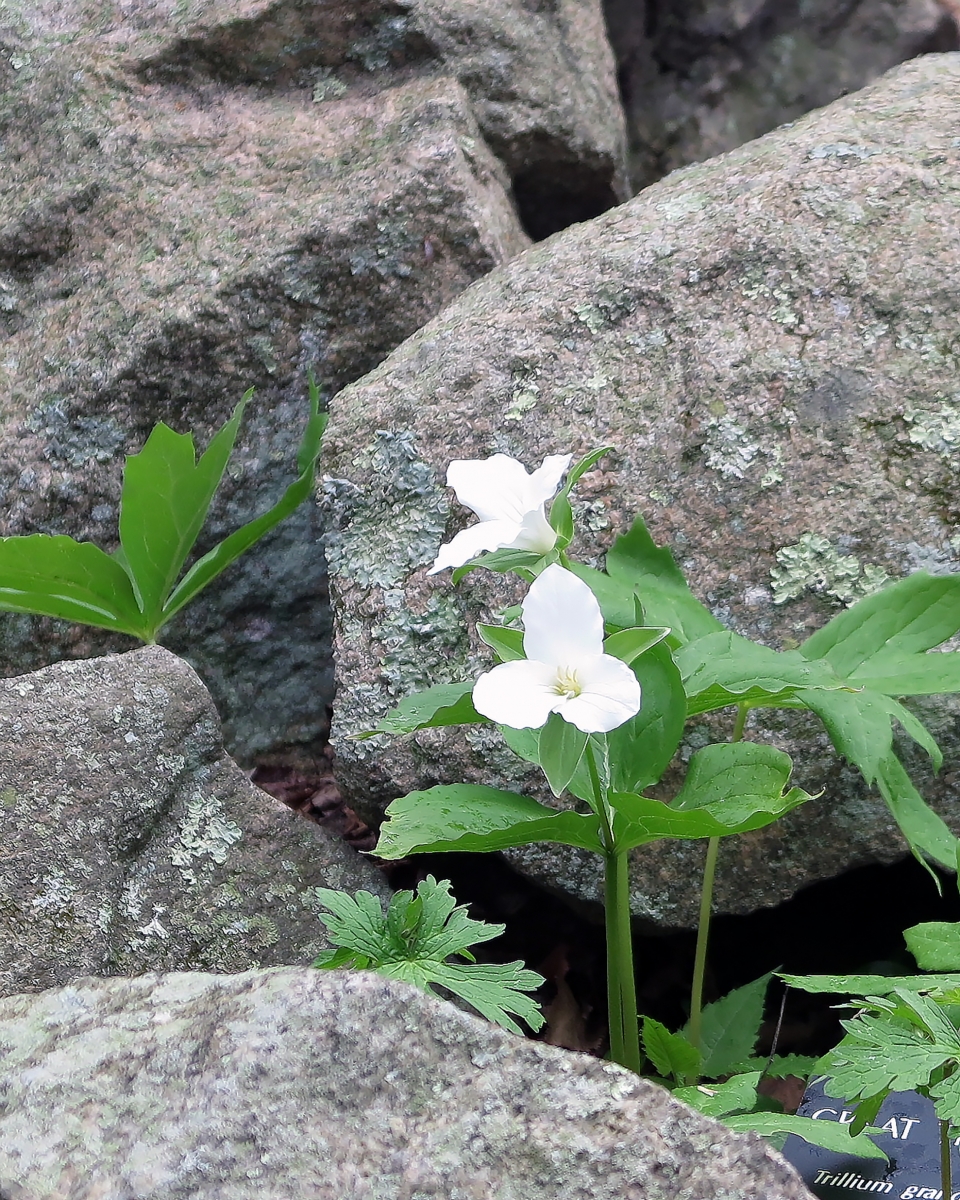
pixel 566 670
pixel 508 501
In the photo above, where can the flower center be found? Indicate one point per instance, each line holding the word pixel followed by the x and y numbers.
pixel 567 684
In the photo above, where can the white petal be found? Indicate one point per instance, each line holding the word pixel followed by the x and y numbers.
pixel 495 488
pixel 536 533
pixel 519 694
pixel 487 535
pixel 610 695
pixel 561 619
pixel 545 480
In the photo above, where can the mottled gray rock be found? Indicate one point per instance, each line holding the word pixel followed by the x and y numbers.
pixel 130 842
pixel 770 341
pixel 700 77
pixel 202 197
pixel 339 1087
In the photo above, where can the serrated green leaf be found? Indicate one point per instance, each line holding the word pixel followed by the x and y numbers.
pixel 946 1096
pixel 935 945
pixel 560 748
pixel 870 985
pixel 930 1018
pixel 780 1066
pixel 216 561
pixel 76 581
pixel 736 1095
pixel 636 562
pixel 495 990
pixel 927 674
pixel 671 1053
pixel 879 1054
pixel 730 1027
pixel 908 617
pixel 828 1134
pixel 440 705
pixel 629 644
pixel 163 504
pixel 507 643
pixel 414 940
pixel 478 819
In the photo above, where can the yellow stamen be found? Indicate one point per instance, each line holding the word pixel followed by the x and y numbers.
pixel 567 684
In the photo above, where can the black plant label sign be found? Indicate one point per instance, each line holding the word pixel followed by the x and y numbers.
pixel 910 1138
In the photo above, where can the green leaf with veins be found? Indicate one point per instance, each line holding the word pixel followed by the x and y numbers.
pixel 413 942
pixel 671 1053
pixel 76 581
pixel 736 1095
pixel 725 668
pixel 870 985
pixel 828 1134
pixel 440 705
pixel 464 816
pixel 935 945
pixel 730 1027
pixel 902 620
pixel 637 564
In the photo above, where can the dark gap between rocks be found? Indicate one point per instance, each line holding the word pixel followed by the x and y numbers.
pixel 853 923
pixel 549 197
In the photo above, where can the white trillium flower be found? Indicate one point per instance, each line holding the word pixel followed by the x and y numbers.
pixel 508 501
pixel 566 670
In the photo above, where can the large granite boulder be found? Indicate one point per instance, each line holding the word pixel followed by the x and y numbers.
pixel 132 843
pixel 700 77
pixel 287 1083
pixel 203 197
pixel 770 341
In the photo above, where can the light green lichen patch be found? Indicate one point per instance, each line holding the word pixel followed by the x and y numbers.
pixel 420 649
pixel 381 530
pixel 938 431
pixel 205 833
pixel 729 448
pixel 814 563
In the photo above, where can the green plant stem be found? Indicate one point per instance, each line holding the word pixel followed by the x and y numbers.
pixel 621 984
pixel 703 937
pixel 618 866
pixel 946 1181
pixel 706 908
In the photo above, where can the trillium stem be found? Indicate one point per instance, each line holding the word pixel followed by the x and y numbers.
pixel 694 1029
pixel 621 984
pixel 946 1181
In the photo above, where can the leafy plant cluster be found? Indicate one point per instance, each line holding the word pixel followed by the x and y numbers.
pixel 164 503
pixel 852 674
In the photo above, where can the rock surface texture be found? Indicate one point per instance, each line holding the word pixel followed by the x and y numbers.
pixel 700 77
pixel 770 341
pixel 132 843
pixel 287 1083
pixel 199 198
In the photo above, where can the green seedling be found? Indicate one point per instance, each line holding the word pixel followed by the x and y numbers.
pixel 164 502
pixel 415 940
